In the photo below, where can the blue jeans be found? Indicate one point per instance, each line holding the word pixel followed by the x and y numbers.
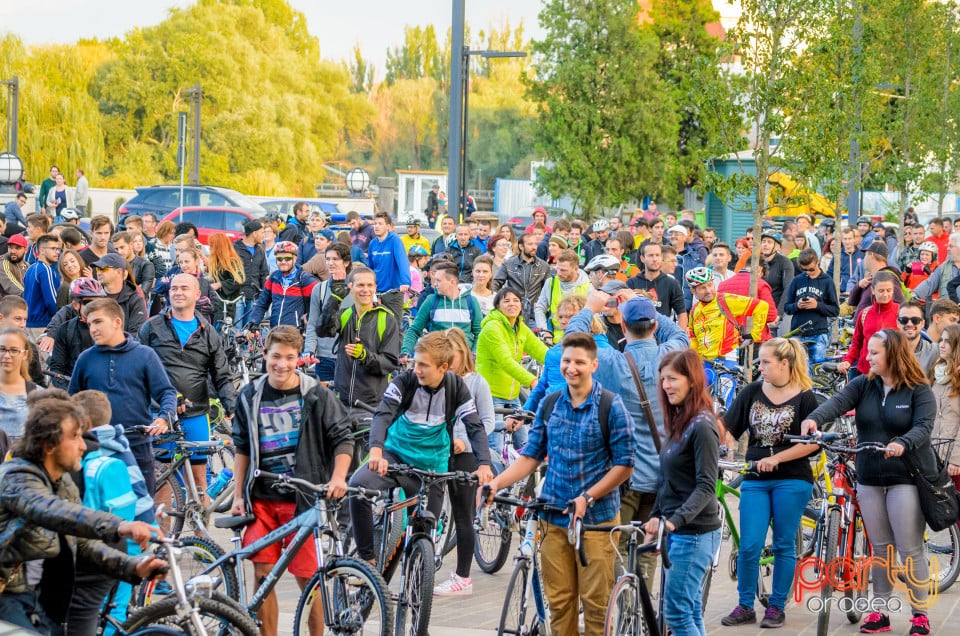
pixel 816 346
pixel 758 497
pixel 324 369
pixel 496 437
pixel 244 307
pixel 690 555
pixel 23 609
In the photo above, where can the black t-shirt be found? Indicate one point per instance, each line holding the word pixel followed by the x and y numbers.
pixel 278 423
pixel 615 334
pixel 768 422
pixel 664 291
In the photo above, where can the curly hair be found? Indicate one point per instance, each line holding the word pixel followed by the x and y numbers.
pixel 43 429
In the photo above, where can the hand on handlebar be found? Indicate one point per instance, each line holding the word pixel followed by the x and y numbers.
pixel 808 427
pixel 45 344
pixel 336 487
pixel 377 463
pixel 652 527
pixel 138 532
pixel 894 449
pixel 511 424
pixel 484 475
pixel 149 566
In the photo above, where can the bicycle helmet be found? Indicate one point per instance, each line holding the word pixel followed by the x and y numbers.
pixel 601 225
pixel 69 214
pixel 865 219
pixel 285 247
pixel 604 262
pixel 86 288
pixel 698 276
pixel 413 221
pixel 416 250
pixel 774 236
pixel 928 246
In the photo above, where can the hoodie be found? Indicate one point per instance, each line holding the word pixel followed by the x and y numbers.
pixel 500 348
pixel 130 374
pixel 439 313
pixel 868 322
pixel 389 262
pixel 111 442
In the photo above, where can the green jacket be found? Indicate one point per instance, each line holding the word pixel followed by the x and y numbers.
pixel 52 512
pixel 500 348
pixel 439 313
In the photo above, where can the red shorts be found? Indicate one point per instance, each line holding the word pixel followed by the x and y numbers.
pixel 270 515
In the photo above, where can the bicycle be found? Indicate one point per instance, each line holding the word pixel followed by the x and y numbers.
pixel 194 608
pixel 413 551
pixel 352 593
pixel 725 382
pixel 839 535
pixel 524 586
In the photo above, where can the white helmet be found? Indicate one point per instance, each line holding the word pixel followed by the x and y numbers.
pixel 601 225
pixel 604 262
pixel 928 246
pixel 69 214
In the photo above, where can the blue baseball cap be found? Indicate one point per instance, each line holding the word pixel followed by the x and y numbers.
pixel 327 234
pixel 638 309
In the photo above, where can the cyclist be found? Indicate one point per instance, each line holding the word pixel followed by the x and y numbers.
pixel 286 293
pixel 73 336
pixel 337 256
pixel 255 268
pixel 388 260
pixel 569 279
pixel 597 246
pixel 191 352
pixel 525 273
pixel 586 466
pixel 58 531
pixel 716 320
pixel 447 307
pixel 413 236
pixel 286 423
pixel 414 425
pixel 602 269
pixel 812 299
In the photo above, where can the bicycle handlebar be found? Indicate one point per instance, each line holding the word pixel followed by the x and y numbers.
pixel 430 476
pixel 636 526
pixel 830 441
pixel 364 407
pixel 740 467
pixel 318 489
pixel 517 414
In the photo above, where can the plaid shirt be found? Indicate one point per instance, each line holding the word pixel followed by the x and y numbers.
pixel 578 455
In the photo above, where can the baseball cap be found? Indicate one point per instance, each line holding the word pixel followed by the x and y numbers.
pixel 879 226
pixel 879 248
pixel 680 228
pixel 327 234
pixel 271 216
pixel 638 309
pixel 252 226
pixel 613 286
pixel 111 260
pixel 18 239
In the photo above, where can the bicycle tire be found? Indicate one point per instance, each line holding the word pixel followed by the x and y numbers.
pixel 705 592
pixel 623 617
pixel 224 616
pixel 200 550
pixel 832 538
pixel 861 551
pixel 492 546
pixel 945 547
pixel 388 560
pixel 172 524
pixel 157 630
pixel 414 612
pixel 514 624
pixel 346 577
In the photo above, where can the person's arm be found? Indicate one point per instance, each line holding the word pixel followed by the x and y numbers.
pixel 537 394
pixel 477 434
pixel 221 375
pixel 923 408
pixel 787 275
pixel 160 388
pixel 499 350
pixel 48 289
pixel 532 345
pixel 580 323
pixel 63 314
pixel 856 343
pixel 678 304
pixel 313 319
pixel 241 464
pixel 385 359
pixel 402 263
pixel 670 336
pixel 499 279
pixel 58 359
pixel 416 328
pixel 829 305
pixel 476 323
pixel 759 314
pixel 706 455
pixel 737 418
pixel 387 411
pixel 543 304
pixel 848 398
pixel 135 314
pixel 790 298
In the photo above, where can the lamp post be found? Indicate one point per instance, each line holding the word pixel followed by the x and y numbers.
pixel 13 110
pixel 195 93
pixel 11 171
pixel 357 181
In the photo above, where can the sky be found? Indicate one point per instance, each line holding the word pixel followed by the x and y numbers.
pixel 339 24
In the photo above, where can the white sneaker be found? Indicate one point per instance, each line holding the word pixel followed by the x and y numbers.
pixel 454 586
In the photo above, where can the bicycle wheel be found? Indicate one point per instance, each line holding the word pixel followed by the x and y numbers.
pixel 493 538
pixel 861 551
pixel 944 547
pixel 705 589
pixel 447 540
pixel 397 524
pixel 357 594
pixel 829 551
pixel 624 617
pixel 220 615
pixel 171 491
pixel 413 614
pixel 196 555
pixel 157 630
pixel 514 619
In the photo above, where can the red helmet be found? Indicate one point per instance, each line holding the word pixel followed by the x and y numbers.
pixel 285 247
pixel 86 288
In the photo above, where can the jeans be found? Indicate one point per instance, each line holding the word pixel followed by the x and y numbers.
pixel 23 609
pixel 496 437
pixel 816 346
pixel 757 497
pixel 324 369
pixel 690 555
pixel 244 307
pixel 892 516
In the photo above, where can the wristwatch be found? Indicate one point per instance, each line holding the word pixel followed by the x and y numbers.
pixel 590 500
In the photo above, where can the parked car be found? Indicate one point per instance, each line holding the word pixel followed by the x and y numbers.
pixel 524 217
pixel 163 199
pixel 213 220
pixel 333 211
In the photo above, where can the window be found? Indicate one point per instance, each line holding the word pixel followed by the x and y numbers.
pixel 212 219
pixel 213 199
pixel 233 221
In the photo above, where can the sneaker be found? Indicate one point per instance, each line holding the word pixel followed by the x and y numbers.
pixel 740 615
pixel 454 586
pixel 919 624
pixel 875 623
pixel 773 617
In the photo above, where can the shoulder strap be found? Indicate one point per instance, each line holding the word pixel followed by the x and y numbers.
pixel 644 401
pixel 603 414
pixel 381 324
pixel 345 317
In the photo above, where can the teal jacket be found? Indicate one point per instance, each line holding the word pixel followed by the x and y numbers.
pixel 500 348
pixel 438 313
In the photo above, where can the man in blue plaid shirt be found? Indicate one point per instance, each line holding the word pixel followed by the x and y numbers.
pixel 586 468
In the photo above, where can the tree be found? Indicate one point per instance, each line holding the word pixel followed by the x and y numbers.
pixel 418 56
pixel 605 120
pixel 360 71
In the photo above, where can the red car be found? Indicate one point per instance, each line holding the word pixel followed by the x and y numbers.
pixel 213 220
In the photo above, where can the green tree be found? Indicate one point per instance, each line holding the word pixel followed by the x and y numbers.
pixel 419 56
pixel 360 71
pixel 605 118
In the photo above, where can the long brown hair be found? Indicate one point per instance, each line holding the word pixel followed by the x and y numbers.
pixel 223 259
pixel 901 362
pixel 676 419
pixel 952 332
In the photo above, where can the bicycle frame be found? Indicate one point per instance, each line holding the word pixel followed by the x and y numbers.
pixel 180 469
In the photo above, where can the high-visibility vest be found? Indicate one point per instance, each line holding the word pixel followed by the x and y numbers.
pixel 556 295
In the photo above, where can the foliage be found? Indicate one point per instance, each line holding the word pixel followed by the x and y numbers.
pixel 604 115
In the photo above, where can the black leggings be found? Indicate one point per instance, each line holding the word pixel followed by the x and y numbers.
pixel 463 503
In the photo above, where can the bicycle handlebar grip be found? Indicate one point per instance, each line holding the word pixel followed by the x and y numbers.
pixel 364 406
pixel 662 535
pixel 581 553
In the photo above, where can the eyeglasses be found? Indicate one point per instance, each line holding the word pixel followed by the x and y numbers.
pixel 10 352
pixel 911 320
pixel 285 259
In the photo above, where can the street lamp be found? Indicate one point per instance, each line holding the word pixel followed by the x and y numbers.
pixel 357 181
pixel 13 108
pixel 11 168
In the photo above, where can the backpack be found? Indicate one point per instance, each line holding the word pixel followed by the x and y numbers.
pixel 434 308
pixel 603 415
pixel 449 397
pixel 347 313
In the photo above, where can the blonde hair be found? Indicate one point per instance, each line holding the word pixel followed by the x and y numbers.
pixel 795 353
pixel 28 352
pixel 459 343
pixel 223 259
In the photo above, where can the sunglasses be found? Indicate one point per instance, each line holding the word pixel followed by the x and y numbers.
pixel 909 320
pixel 285 259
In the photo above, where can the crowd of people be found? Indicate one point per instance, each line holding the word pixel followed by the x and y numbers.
pixel 602 328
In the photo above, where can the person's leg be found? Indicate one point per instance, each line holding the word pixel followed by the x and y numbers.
pixel 876 521
pixel 23 609
pixel 789 498
pixel 558 566
pixel 269 613
pixel 908 526
pixel 755 496
pixel 89 591
pixel 637 506
pixel 463 501
pixel 143 453
pixel 361 510
pixel 690 556
pixel 324 369
pixel 596 580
